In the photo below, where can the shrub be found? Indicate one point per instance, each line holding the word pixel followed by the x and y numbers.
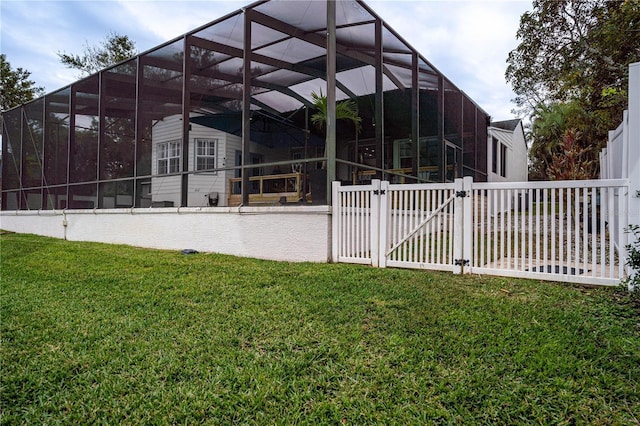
pixel 633 260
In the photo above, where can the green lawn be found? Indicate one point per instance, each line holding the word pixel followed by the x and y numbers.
pixel 102 334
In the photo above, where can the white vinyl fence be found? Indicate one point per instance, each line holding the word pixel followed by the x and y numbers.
pixel 614 159
pixel 567 231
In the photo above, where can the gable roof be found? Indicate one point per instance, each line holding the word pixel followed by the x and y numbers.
pixel 506 124
pixel 510 126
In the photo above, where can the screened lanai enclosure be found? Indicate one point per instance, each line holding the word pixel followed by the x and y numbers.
pixel 222 116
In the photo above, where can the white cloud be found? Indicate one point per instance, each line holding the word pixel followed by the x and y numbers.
pixel 468 41
pixel 166 20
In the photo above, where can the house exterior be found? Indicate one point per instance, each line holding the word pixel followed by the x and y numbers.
pixel 507 152
pixel 507 158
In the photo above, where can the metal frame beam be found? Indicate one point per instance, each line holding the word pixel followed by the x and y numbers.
pixel 246 108
pixel 186 108
pixel 331 96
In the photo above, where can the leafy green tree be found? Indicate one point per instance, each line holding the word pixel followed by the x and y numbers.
pixel 113 49
pixel 15 86
pixel 574 50
pixel 575 53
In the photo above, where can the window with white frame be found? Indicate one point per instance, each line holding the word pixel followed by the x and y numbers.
pixel 206 154
pixel 169 157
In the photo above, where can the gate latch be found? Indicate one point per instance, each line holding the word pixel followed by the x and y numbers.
pixel 378 192
pixel 461 262
pixel 461 194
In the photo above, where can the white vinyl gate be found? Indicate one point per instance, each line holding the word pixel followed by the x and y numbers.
pixel 568 231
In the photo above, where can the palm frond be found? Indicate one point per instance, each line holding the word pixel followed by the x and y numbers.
pixel 345 110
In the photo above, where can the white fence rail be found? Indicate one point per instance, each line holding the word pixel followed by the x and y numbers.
pixel 568 231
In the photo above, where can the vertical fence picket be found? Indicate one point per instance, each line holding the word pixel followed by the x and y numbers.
pixel 537 231
pixel 509 229
pixel 516 229
pixel 421 237
pixel 437 227
pixel 603 236
pixel 562 228
pixel 496 230
pixel 523 226
pixel 349 223
pixel 569 229
pixel 553 229
pixel 530 233
pixel 447 241
pixel 412 224
pixel 594 229
pixel 344 228
pixel 482 218
pixel 475 230
pixel 451 235
pixel 393 222
pixel 345 214
pixel 612 232
pixel 433 228
pixel 585 234
pixel 364 229
pixel 366 223
pixel 622 233
pixel 576 225
pixel 358 223
pixel 362 219
pixel 399 222
pixel 545 226
pixel 500 218
pixel 405 221
pixel 477 225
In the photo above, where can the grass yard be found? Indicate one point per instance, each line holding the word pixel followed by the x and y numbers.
pixel 103 334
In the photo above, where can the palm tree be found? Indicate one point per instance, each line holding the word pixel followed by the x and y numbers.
pixel 345 110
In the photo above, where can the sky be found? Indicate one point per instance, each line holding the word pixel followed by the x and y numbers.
pixel 467 40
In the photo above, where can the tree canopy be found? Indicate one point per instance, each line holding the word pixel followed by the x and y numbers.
pixel 571 69
pixel 15 86
pixel 113 49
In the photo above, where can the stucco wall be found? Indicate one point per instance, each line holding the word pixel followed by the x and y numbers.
pixel 289 233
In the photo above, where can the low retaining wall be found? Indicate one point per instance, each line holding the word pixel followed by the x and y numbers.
pixel 288 233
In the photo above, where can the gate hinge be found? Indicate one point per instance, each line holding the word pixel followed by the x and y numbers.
pixel 461 194
pixel 461 262
pixel 379 192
